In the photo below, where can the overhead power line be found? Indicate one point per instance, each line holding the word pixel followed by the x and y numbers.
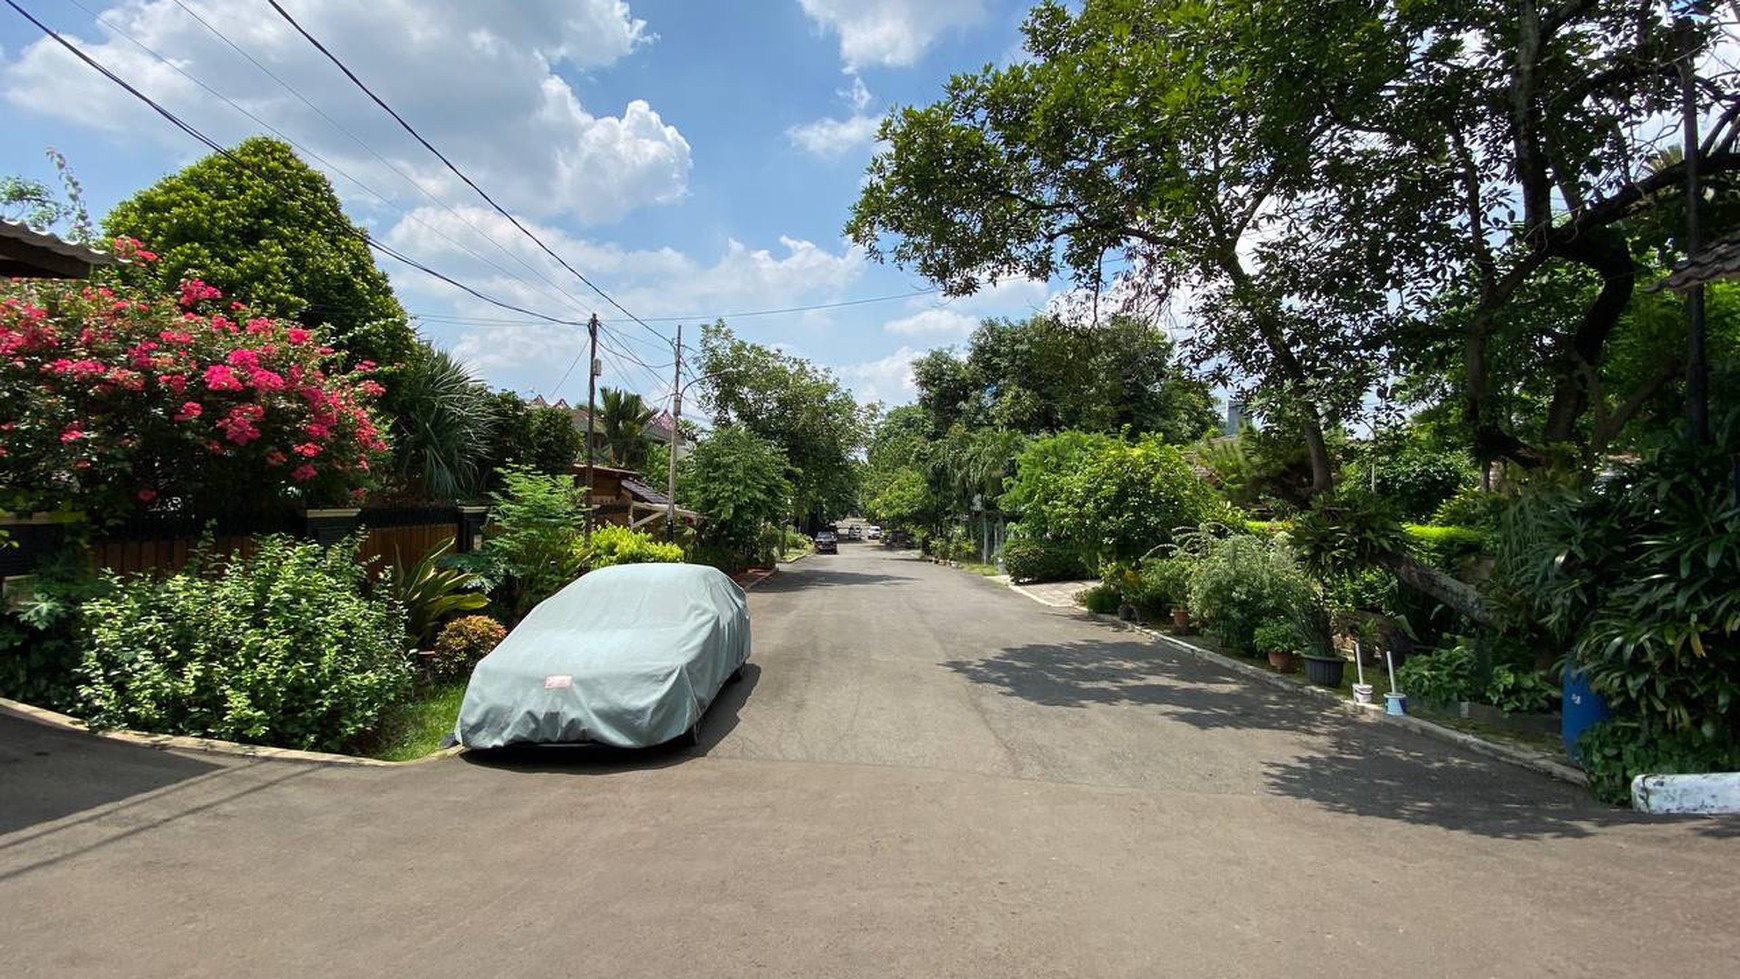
pixel 217 147
pixel 504 212
pixel 358 140
pixel 708 316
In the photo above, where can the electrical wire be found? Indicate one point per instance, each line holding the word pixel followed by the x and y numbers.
pixel 99 18
pixel 286 86
pixel 504 212
pixel 216 147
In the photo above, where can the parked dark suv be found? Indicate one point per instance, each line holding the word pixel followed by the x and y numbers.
pixel 827 543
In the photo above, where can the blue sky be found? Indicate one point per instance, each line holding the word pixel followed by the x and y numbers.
pixel 694 159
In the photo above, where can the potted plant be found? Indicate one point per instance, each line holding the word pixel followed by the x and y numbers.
pixel 1325 668
pixel 1278 640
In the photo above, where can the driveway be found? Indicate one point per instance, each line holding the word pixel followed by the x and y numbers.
pixel 924 774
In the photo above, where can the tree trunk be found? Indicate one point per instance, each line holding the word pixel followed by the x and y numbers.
pixel 1452 592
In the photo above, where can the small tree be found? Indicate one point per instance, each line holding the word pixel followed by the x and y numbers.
pixel 738 483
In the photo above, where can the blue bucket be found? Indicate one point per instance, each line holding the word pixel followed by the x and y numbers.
pixel 1582 709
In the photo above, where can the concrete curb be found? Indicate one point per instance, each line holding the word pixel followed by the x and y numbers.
pixel 64 722
pixel 1374 713
pixel 1711 794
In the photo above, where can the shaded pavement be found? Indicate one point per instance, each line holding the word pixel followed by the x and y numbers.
pixel 922 774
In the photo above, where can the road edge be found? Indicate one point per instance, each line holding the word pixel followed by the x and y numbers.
pixel 213 746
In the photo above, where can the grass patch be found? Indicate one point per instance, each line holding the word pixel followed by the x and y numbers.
pixel 417 727
pixel 976 567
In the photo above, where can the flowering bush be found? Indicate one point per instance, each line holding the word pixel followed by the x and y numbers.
pixel 111 399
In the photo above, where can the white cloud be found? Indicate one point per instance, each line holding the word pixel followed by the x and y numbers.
pixel 934 322
pixel 480 85
pixel 833 137
pixel 890 32
pixel 652 282
pixel 957 318
pixel 887 379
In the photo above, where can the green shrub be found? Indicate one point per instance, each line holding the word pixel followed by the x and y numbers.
pixel 1244 581
pixel 285 647
pixel 1472 507
pixel 1618 750
pixel 795 541
pixel 42 630
pixel 1276 636
pixel 1449 549
pixel 1442 677
pixel 531 545
pixel 462 643
pixel 1640 576
pixel 1517 690
pixel 1028 559
pixel 430 593
pixel 1102 599
pixel 1160 585
pixel 611 545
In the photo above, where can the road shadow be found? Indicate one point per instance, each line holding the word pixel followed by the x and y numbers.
pixel 1343 763
pixel 48 774
pixel 1085 673
pixel 601 759
pixel 823 577
pixel 1366 769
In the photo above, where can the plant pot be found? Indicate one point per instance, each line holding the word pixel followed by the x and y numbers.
pixel 1362 693
pixel 1325 671
pixel 1127 612
pixel 1180 619
pixel 1281 660
pixel 1395 704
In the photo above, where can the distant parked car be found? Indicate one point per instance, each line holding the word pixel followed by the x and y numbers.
pixel 827 543
pixel 630 656
pixel 874 533
pixel 854 532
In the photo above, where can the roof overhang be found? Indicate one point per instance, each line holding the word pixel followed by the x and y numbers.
pixel 30 254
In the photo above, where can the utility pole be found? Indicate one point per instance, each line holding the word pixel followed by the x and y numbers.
pixel 676 439
pixel 591 393
pixel 1697 368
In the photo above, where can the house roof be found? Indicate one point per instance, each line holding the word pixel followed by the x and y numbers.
pixel 1718 260
pixel 644 493
pixel 32 254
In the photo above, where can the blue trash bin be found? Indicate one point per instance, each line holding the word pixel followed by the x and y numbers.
pixel 1582 709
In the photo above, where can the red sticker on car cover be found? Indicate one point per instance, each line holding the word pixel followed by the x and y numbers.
pixel 558 682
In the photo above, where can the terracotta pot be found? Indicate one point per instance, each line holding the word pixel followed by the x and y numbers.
pixel 1180 619
pixel 1281 660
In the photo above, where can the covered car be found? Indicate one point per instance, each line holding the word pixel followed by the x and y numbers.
pixel 629 656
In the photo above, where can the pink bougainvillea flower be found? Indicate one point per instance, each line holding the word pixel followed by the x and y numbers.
pixel 297 334
pixel 221 378
pixel 259 325
pixel 243 358
pixel 189 410
pixel 71 433
pixel 146 495
pixel 175 336
pixel 145 256
pixel 317 430
pixel 307 450
pixel 265 380
pixel 302 473
pixel 194 290
pixel 275 458
pixel 174 382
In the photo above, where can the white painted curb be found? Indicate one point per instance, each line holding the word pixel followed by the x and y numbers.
pixel 1713 794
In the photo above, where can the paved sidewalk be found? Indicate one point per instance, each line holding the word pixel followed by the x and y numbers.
pixel 1057 594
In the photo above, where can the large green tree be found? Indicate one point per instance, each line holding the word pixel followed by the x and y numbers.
pixel 737 481
pixel 799 407
pixel 1047 373
pixel 266 228
pixel 1317 174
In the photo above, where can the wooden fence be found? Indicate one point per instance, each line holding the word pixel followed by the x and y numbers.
pixel 157 543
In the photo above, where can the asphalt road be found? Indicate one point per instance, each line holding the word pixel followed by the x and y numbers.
pixel 923 774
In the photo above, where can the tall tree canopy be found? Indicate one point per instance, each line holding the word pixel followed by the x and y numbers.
pixel 1319 176
pixel 267 229
pixel 1045 374
pixel 795 405
pixel 623 418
